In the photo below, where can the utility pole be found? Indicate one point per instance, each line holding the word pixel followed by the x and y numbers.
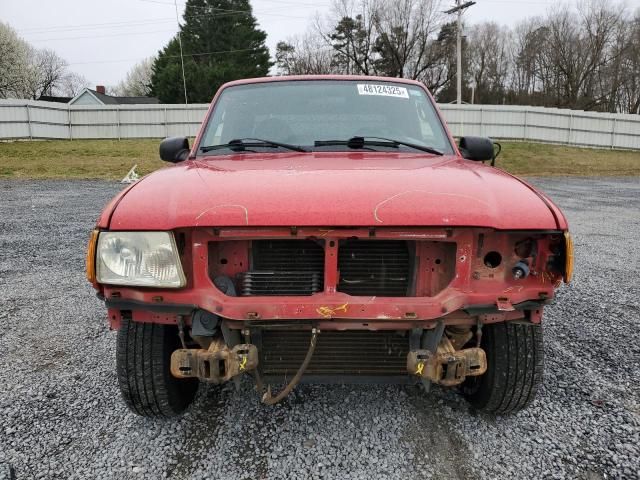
pixel 459 9
pixel 184 79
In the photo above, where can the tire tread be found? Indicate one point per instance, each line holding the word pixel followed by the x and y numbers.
pixel 515 367
pixel 143 366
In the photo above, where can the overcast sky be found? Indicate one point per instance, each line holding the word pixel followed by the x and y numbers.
pixel 103 39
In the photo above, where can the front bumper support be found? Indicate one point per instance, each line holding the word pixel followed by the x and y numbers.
pixel 447 366
pixel 217 364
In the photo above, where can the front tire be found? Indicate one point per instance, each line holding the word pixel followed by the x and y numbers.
pixel 143 357
pixel 514 368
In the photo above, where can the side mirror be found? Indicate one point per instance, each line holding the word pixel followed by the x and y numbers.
pixel 174 149
pixel 478 149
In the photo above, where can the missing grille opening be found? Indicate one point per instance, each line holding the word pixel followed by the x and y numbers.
pixel 375 267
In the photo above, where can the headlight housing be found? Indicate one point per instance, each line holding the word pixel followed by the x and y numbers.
pixel 141 259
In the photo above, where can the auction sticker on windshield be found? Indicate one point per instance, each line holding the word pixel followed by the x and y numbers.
pixel 383 90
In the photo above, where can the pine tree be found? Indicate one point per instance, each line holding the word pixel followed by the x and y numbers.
pixel 220 42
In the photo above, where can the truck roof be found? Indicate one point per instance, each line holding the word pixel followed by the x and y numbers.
pixel 290 78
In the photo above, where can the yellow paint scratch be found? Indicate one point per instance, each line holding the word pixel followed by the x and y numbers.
pixel 328 312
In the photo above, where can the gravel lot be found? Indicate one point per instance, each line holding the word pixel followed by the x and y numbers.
pixel 61 415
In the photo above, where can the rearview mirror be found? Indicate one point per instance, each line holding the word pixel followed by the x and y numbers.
pixel 174 149
pixel 478 149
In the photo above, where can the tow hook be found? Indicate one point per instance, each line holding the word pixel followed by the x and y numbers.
pixel 217 364
pixel 447 366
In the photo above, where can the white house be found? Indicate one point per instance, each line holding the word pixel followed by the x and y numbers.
pixel 99 97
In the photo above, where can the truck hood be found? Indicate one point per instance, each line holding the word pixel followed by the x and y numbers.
pixel 331 189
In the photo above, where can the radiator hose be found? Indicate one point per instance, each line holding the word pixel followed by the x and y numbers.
pixel 267 398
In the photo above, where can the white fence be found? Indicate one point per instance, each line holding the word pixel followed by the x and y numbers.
pixel 551 125
pixel 25 119
pixel 28 119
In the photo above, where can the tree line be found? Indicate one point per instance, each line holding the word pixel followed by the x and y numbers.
pixel 581 56
pixel 29 72
pixel 585 56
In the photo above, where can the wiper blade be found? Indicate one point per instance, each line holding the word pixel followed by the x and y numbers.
pixel 367 141
pixel 240 145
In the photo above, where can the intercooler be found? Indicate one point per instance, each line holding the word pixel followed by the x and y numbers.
pixel 284 267
pixel 338 354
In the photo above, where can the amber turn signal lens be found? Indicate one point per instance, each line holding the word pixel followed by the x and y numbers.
pixel 568 254
pixel 91 256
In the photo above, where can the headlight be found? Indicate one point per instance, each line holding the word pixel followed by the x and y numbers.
pixel 142 259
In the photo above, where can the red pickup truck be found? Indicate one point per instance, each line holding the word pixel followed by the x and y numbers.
pixel 328 229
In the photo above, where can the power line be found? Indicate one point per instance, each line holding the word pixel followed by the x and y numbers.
pixel 219 52
pixel 155 22
pixel 62 29
pixel 132 24
pixel 121 24
pixel 128 24
pixel 217 9
pixel 123 34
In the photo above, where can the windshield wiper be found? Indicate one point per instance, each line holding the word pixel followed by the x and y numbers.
pixel 368 141
pixel 241 144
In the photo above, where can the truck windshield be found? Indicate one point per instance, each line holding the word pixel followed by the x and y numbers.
pixel 322 115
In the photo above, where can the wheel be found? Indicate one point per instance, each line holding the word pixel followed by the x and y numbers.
pixel 514 368
pixel 143 356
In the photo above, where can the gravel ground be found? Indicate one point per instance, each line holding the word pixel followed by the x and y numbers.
pixel 61 415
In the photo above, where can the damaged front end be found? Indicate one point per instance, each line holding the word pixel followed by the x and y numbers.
pixel 345 305
pixel 449 363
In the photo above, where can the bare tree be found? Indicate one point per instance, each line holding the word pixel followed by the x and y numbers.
pixel 613 73
pixel 28 72
pixel 387 37
pixel 353 36
pixel 577 49
pixel 46 71
pixel 629 89
pixel 439 78
pixel 585 56
pixel 72 84
pixel 406 33
pixel 489 61
pixel 138 80
pixel 526 39
pixel 304 55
